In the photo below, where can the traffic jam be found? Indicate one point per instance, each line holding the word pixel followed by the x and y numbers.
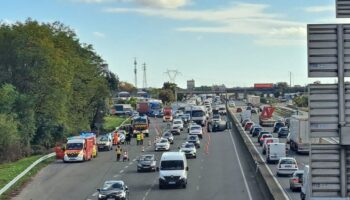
pixel 167 135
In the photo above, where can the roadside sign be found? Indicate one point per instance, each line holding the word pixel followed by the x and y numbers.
pixel 343 8
pixel 325 41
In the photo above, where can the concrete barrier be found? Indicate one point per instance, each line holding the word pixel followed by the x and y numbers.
pixel 14 181
pixel 268 182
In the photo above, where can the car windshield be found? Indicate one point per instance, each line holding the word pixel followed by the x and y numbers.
pixel 166 135
pixel 177 122
pixel 188 145
pixel 164 141
pixel 192 138
pixel 279 124
pixel 112 186
pixel 146 158
pixel 287 161
pixel 74 146
pixel 257 129
pixel 222 108
pixel 198 113
pixel 195 128
pixel 104 139
pixel 172 165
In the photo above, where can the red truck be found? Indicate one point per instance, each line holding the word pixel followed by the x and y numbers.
pixel 80 148
pixel 168 114
pixel 266 116
pixel 143 108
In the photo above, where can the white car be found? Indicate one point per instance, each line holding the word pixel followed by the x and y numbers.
pixel 196 130
pixel 162 145
pixel 287 166
pixel 178 123
pixel 231 104
pixel 189 149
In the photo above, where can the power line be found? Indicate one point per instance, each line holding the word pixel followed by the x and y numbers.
pixel 144 76
pixel 135 72
pixel 172 74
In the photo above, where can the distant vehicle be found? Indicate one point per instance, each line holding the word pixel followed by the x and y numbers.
pixel 196 130
pixel 256 131
pixel 124 95
pixel 121 109
pixel 175 130
pixel 199 115
pixel 113 189
pixel 147 163
pixel 173 170
pixel 141 124
pixel 185 118
pixel 189 149
pixel 163 144
pixel 216 117
pixel 277 126
pixel 263 137
pixel 253 111
pixel 283 132
pixel 219 125
pixel 168 114
pixel 231 104
pixel 178 123
pixel 286 166
pixel 249 108
pixel 169 136
pixel 222 110
pixel 143 108
pixel 295 183
pixel 275 151
pixel 105 143
pixel 245 121
pixel 194 139
pixel 248 125
pixel 252 128
pixel 299 134
pixel 142 94
pixel 266 116
pixel 268 141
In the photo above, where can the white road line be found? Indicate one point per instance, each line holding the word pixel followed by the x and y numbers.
pixel 95 194
pixel 285 194
pixel 116 176
pixel 121 171
pixel 199 177
pixel 126 167
pixel 131 163
pixel 197 188
pixel 134 160
pixel 149 190
pixel 241 168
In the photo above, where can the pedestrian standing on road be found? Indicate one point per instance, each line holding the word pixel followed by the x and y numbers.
pixel 119 151
pixel 127 138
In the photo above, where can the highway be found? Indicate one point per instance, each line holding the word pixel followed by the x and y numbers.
pixel 220 172
pixel 301 159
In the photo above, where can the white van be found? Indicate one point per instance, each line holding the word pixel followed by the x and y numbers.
pixel 275 151
pixel 173 170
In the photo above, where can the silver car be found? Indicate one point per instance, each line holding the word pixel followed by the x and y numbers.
pixel 147 163
pixel 296 182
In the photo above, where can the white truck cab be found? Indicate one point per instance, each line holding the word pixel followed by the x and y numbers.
pixel 173 170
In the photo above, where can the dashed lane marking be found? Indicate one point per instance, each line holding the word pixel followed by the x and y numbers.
pixel 197 188
pixel 121 171
pixel 95 194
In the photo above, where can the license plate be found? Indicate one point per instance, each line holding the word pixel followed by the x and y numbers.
pixel 111 199
pixel 172 183
pixel 287 166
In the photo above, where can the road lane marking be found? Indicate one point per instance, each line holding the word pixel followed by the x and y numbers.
pixel 149 190
pixel 126 167
pixel 134 160
pixel 199 177
pixel 197 188
pixel 95 194
pixel 115 176
pixel 285 193
pixel 121 171
pixel 241 168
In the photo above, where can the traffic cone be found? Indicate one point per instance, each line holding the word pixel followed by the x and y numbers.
pixel 143 149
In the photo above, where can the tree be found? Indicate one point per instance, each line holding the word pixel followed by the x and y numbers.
pixel 301 101
pixel 128 87
pixel 113 81
pixel 167 96
pixel 282 87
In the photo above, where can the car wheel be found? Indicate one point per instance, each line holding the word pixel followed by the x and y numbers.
pixel 184 185
pixel 277 174
pixel 160 186
pixel 195 156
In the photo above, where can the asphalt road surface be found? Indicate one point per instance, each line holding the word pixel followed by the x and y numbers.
pixel 219 172
pixel 301 159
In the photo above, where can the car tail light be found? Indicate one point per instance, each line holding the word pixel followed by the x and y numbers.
pixel 295 180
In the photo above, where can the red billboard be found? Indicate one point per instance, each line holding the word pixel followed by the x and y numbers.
pixel 263 85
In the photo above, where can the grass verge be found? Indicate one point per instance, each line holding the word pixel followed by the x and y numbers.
pixel 8 171
pixel 111 122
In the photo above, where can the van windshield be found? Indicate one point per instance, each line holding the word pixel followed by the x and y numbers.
pixel 198 113
pixel 74 146
pixel 172 165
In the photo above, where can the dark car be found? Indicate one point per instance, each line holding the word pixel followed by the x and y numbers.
pixel 262 133
pixel 219 125
pixel 256 131
pixel 147 163
pixel 254 126
pixel 277 126
pixel 283 132
pixel 114 189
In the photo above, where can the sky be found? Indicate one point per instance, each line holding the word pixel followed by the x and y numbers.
pixel 236 43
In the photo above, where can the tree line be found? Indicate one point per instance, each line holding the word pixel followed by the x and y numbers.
pixel 51 86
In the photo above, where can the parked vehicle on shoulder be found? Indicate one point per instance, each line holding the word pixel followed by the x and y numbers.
pixel 113 189
pixel 287 166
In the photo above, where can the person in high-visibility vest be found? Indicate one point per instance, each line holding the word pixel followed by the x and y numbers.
pixel 138 139
pixel 142 137
pixel 118 151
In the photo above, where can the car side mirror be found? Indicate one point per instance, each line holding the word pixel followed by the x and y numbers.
pixel 187 168
pixel 157 169
pixel 98 190
pixel 126 188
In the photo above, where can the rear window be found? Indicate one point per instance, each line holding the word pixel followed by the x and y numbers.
pixel 288 161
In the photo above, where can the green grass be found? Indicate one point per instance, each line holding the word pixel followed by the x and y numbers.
pixel 111 122
pixel 8 171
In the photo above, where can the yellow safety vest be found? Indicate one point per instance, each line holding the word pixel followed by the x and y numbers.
pixel 138 137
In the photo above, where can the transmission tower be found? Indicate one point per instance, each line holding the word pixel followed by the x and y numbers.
pixel 135 72
pixel 144 76
pixel 172 74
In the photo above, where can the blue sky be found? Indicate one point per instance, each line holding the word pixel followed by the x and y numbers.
pixel 236 43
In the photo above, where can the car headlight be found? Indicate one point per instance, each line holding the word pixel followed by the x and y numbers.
pixel 101 196
pixel 161 177
pixel 139 165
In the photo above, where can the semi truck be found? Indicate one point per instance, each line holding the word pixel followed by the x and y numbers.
pixel 143 108
pixel 80 148
pixel 121 109
pixel 266 116
pixel 299 134
pixel 253 100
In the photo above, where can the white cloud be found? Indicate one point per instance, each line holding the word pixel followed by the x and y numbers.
pixel 167 4
pixel 240 18
pixel 98 34
pixel 318 9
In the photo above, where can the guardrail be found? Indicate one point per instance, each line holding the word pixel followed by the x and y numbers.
pixel 14 181
pixel 271 184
